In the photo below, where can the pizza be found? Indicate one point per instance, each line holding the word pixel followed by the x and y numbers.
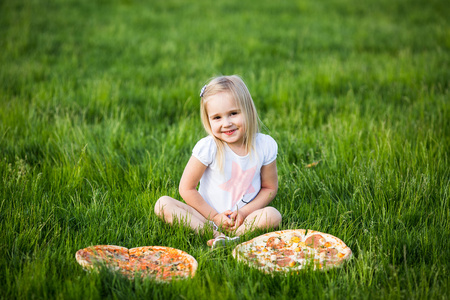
pixel 155 262
pixel 292 250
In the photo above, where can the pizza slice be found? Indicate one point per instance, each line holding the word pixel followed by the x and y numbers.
pixel 329 250
pixel 162 263
pixel 108 255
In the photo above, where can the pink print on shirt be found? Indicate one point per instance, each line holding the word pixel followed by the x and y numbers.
pixel 240 183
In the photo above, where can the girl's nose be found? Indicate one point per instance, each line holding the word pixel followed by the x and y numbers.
pixel 227 121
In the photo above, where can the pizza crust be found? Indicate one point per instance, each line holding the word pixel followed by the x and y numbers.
pixel 292 250
pixel 156 262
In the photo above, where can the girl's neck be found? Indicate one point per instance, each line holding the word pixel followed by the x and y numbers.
pixel 240 150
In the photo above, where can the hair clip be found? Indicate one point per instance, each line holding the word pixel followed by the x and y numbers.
pixel 202 91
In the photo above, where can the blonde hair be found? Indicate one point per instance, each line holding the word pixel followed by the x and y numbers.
pixel 236 87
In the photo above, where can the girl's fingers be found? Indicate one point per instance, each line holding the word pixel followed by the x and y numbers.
pixel 227 213
pixel 226 221
pixel 233 216
pixel 238 221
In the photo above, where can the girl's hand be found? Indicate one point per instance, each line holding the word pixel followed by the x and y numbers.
pixel 223 220
pixel 238 218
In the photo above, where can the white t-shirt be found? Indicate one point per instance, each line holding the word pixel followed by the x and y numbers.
pixel 240 180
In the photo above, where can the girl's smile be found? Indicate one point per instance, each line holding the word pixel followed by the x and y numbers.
pixel 230 132
pixel 226 120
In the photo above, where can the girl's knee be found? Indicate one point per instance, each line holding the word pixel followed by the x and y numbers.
pixel 160 204
pixel 273 215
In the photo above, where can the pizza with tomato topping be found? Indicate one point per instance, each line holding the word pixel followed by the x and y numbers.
pixel 155 262
pixel 292 250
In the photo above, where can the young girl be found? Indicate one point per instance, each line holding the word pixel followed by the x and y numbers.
pixel 235 165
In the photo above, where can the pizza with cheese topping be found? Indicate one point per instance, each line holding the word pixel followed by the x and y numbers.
pixel 291 250
pixel 155 262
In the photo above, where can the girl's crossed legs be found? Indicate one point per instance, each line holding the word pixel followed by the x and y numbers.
pixel 169 210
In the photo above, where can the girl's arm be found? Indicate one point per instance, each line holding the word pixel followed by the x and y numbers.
pixel 188 191
pixel 269 188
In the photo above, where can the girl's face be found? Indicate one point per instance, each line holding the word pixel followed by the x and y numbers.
pixel 226 119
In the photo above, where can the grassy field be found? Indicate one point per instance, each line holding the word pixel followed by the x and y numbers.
pixel 99 111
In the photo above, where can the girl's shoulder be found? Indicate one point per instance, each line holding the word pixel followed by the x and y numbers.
pixel 205 150
pixel 207 141
pixel 267 147
pixel 262 138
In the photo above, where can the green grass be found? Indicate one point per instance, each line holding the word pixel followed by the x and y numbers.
pixel 99 111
